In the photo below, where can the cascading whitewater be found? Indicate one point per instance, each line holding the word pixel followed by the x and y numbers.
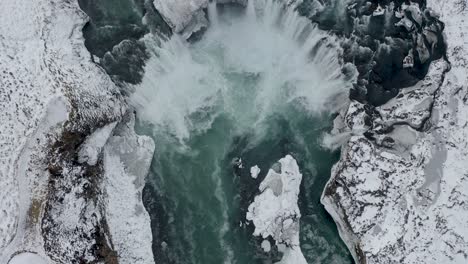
pixel 249 67
pixel 291 60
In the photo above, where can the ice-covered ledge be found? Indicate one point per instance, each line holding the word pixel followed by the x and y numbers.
pixel 127 159
pixel 275 213
pixel 398 194
pixel 187 17
pixel 52 95
pixel 179 14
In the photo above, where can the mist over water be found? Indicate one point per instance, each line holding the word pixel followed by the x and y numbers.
pixel 261 83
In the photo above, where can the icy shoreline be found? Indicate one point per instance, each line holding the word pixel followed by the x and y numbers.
pixel 397 195
pixel 53 98
pixel 275 213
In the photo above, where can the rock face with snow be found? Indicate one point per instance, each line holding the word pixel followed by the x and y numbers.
pixel 58 109
pixel 391 43
pixel 275 213
pixel 254 171
pixel 71 185
pixel 398 193
pixel 187 17
pixel 127 158
pixel 27 258
pixel 182 15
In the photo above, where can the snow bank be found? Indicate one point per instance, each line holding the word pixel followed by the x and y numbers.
pixel 275 212
pixel 127 158
pixel 94 143
pixel 178 14
pixel 254 171
pixel 45 74
pixel 399 195
pixel 27 258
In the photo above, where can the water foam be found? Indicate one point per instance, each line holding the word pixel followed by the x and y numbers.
pixel 289 59
pixel 248 67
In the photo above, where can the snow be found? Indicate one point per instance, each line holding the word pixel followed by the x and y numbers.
pixel 186 17
pixel 27 258
pixel 403 205
pixel 254 171
pixel 275 212
pixel 412 104
pixel 22 101
pixel 179 14
pixel 266 246
pixel 29 169
pixel 47 79
pixel 94 143
pixel 127 158
pixel 292 256
pixel 405 202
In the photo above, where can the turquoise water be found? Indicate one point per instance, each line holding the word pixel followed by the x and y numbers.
pixel 248 90
pixel 199 185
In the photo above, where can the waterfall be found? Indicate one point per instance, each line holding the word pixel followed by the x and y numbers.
pixel 295 60
pixel 245 69
pixel 213 14
pixel 251 15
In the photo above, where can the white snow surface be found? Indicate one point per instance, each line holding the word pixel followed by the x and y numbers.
pixel 405 201
pixel 94 143
pixel 178 14
pixel 186 17
pixel 27 258
pixel 254 171
pixel 31 181
pixel 275 212
pixel 46 77
pixel 127 158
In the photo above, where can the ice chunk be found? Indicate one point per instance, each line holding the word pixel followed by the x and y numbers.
pixel 275 212
pixel 266 245
pixel 27 258
pixel 254 171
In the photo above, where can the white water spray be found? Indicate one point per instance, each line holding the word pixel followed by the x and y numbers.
pixel 213 14
pixel 291 61
pixel 251 15
pixel 248 67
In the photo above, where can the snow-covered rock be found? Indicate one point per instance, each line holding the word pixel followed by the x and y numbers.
pixel 27 258
pixel 254 171
pixel 182 14
pixel 29 173
pixel 412 105
pixel 187 17
pixel 52 98
pixel 399 192
pixel 92 147
pixel 275 213
pixel 127 158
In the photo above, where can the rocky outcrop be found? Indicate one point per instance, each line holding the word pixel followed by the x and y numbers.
pixel 127 158
pixel 391 43
pixel 188 18
pixel 275 213
pixel 398 192
pixel 184 17
pixel 58 111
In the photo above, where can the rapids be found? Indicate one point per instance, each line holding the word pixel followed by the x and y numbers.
pixel 262 82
